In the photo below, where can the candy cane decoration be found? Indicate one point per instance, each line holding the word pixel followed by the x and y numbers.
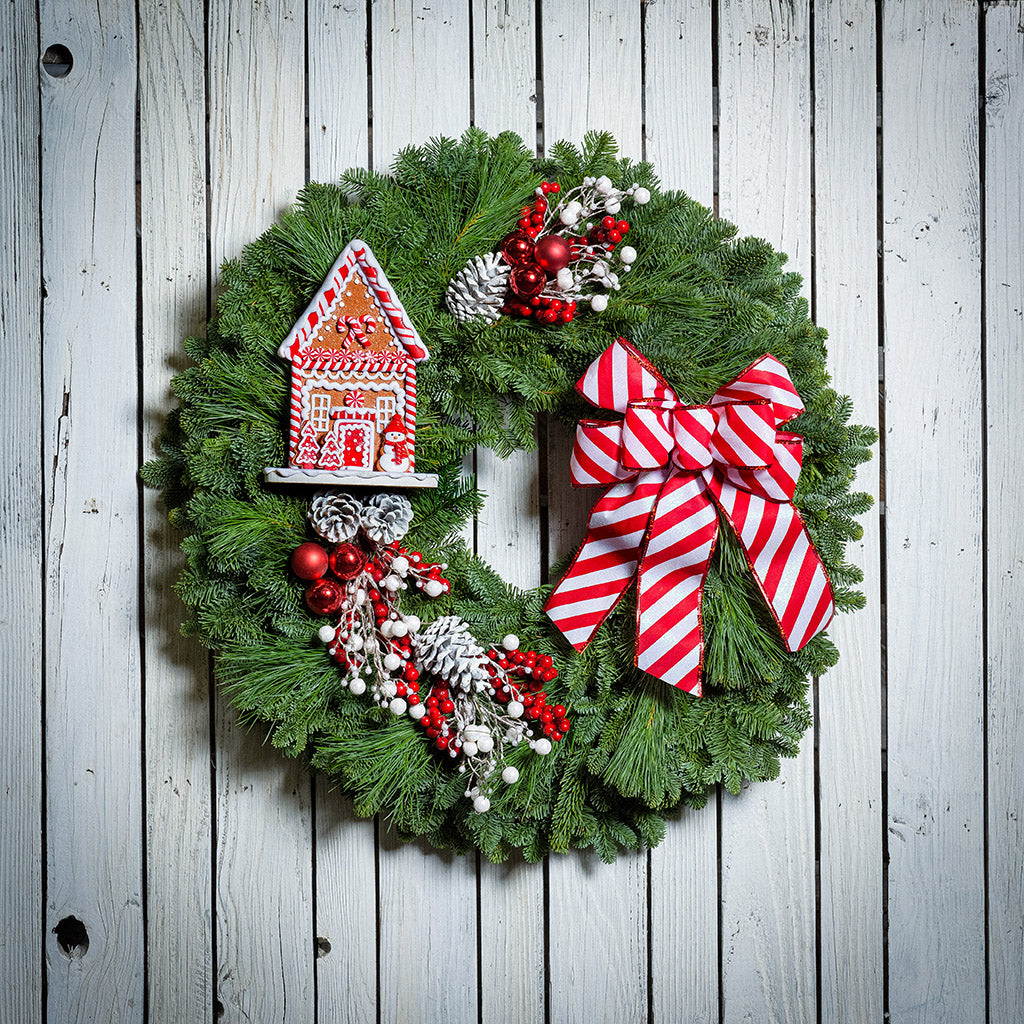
pixel 358 327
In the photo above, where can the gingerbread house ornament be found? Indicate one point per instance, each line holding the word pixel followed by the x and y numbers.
pixel 353 353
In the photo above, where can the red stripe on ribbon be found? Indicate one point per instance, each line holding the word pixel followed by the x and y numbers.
pixel 669 466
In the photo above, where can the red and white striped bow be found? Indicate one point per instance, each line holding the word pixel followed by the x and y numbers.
pixel 670 465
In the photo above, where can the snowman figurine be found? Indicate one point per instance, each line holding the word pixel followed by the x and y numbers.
pixel 394 454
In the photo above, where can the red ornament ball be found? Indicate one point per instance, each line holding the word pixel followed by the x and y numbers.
pixel 325 597
pixel 517 249
pixel 552 253
pixel 347 561
pixel 309 561
pixel 527 280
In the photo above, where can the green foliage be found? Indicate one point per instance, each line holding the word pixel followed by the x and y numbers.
pixel 700 303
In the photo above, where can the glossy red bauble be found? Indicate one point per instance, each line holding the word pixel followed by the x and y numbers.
pixel 517 249
pixel 325 597
pixel 552 253
pixel 347 561
pixel 309 561
pixel 527 280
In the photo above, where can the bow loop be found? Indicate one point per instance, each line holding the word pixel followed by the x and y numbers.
pixel 620 375
pixel 595 455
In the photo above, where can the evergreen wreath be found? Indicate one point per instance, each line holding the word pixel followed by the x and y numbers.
pixel 701 304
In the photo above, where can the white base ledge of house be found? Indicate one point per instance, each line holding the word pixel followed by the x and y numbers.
pixel 347 477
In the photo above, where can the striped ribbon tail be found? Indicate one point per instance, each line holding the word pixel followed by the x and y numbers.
pixel 783 560
pixel 683 529
pixel 606 564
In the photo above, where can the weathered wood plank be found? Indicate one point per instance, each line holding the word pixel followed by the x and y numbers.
pixel 930 186
pixel 21 532
pixel 598 912
pixel 768 898
pixel 1004 370
pixel 420 67
pixel 93 671
pixel 684 868
pixel 505 68
pixel 428 949
pixel 849 700
pixel 508 536
pixel 256 69
pixel 338 131
pixel 678 96
pixel 592 72
pixel 346 849
pixel 172 112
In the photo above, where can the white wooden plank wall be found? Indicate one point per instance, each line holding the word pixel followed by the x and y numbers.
pixel 931 234
pixel 21 528
pixel 679 123
pixel 90 449
pixel 768 894
pixel 849 707
pixel 173 296
pixel 1003 191
pixel 264 892
pixel 879 878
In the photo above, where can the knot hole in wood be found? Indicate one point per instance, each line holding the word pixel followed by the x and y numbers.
pixel 57 61
pixel 72 938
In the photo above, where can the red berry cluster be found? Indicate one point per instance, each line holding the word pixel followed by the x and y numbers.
pixel 535 670
pixel 531 218
pixel 439 728
pixel 607 233
pixel 536 258
pixel 426 576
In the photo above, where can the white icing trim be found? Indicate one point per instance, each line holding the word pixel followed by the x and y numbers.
pixel 347 477
pixel 300 332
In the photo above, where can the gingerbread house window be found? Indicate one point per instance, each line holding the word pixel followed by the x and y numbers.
pixel 320 411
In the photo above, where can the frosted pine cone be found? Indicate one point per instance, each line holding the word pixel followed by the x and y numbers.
pixel 386 518
pixel 335 517
pixel 477 292
pixel 447 649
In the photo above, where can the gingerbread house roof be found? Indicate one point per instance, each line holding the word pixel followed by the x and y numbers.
pixel 357 257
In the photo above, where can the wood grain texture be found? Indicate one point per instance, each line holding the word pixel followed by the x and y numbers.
pixel 768 897
pixel 1004 370
pixel 420 66
pixel 597 912
pixel 338 131
pixel 505 68
pixel 684 868
pixel 428 901
pixel 21 528
pixel 172 111
pixel 345 846
pixel 263 803
pixel 931 242
pixel 93 670
pixel 507 535
pixel 849 699
pixel 592 78
pixel 678 102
